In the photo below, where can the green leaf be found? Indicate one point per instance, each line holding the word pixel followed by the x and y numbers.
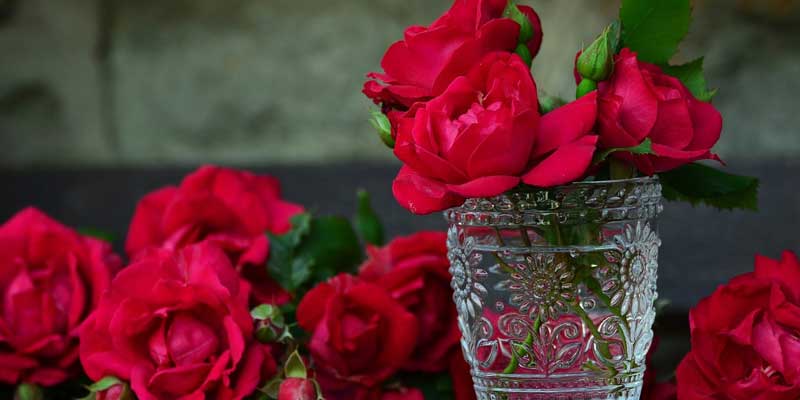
pixel 691 74
pixel 646 147
pixel 295 367
pixel 367 222
pixel 698 183
pixel 282 265
pixel 381 124
pixel 655 28
pixel 97 234
pixel 331 246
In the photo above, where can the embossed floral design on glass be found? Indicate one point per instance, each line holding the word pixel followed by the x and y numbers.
pixel 555 289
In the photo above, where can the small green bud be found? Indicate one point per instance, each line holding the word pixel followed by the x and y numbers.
pixel 270 324
pixel 381 123
pixel 585 87
pixel 27 391
pixel 549 103
pixel 525 26
pixel 525 54
pixel 596 62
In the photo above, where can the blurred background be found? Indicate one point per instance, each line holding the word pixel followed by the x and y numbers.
pixel 102 101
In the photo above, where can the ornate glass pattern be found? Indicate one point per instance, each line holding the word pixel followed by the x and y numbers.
pixel 555 289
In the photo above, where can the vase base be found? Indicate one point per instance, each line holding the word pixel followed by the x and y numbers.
pixel 580 386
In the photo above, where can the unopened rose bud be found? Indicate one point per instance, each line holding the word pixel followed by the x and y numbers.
pixel 270 325
pixel 596 62
pixel 27 391
pixel 297 389
pixel 381 123
pixel 119 391
pixel 585 87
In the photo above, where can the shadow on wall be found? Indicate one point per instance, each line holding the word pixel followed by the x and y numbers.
pixel 255 82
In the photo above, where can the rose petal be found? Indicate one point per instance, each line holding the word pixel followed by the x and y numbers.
pixel 421 195
pixel 568 163
pixel 566 124
pixel 487 186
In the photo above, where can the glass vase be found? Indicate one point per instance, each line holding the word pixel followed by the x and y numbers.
pixel 555 289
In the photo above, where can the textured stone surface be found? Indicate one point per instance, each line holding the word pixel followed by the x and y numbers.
pixel 278 81
pixel 50 107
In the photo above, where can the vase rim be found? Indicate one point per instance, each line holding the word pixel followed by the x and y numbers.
pixel 617 199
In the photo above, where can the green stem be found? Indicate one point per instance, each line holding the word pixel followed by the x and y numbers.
pixel 513 364
pixel 525 238
pixel 499 236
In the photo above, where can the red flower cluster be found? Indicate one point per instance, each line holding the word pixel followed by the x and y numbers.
pixel 465 115
pixel 746 337
pixel 233 209
pixel 396 315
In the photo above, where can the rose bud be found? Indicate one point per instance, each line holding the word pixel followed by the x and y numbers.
pixel 297 389
pixel 596 62
pixel 117 392
pixel 27 391
pixel 381 123
pixel 270 325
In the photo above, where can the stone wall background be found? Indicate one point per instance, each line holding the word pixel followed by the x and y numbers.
pixel 154 82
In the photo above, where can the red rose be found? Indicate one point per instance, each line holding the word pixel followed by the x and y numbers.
pixel 403 394
pixel 639 101
pixel 51 278
pixel 483 136
pixel 427 60
pixel 462 378
pixel 297 389
pixel 414 269
pixel 651 388
pixel 177 326
pixel 360 336
pixel 231 208
pixel 116 392
pixel 746 337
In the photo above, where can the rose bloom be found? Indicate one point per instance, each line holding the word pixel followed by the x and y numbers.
pixel 360 336
pixel 483 136
pixel 51 278
pixel 414 269
pixel 639 101
pixel 746 337
pixel 427 60
pixel 463 387
pixel 234 209
pixel 176 326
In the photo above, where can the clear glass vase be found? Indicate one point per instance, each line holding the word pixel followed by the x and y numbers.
pixel 555 289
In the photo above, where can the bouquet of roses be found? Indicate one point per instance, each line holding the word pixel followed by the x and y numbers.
pixel 461 109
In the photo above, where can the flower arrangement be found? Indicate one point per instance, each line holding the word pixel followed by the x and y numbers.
pixel 230 291
pixel 460 108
